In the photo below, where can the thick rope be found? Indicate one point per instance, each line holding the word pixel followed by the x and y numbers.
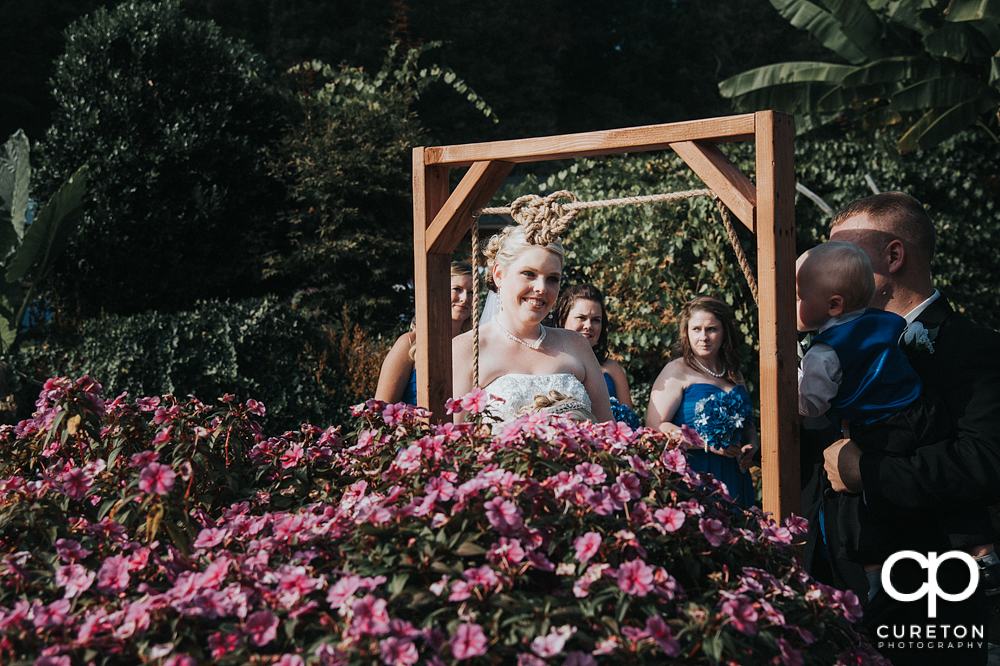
pixel 741 258
pixel 544 219
pixel 475 300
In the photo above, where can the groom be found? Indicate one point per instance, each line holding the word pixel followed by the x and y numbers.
pixel 960 476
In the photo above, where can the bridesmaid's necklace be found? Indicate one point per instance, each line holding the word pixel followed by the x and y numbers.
pixel 530 345
pixel 717 375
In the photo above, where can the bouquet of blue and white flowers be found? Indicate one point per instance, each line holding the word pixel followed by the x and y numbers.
pixel 719 418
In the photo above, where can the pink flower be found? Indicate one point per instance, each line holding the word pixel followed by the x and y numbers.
pixel 143 458
pixel 658 630
pixel 221 644
pixel 370 617
pixel 211 537
pixel 69 550
pixel 741 613
pixel 506 550
pixel 713 530
pixel 53 615
pixel 789 655
pixel 675 460
pixel 505 516
pixel 671 519
pixel 587 546
pixel 55 660
pixel 290 660
pixel 75 578
pixel 579 659
pixel 691 437
pixel 157 478
pixel 635 577
pixel 113 576
pixel 408 459
pixel 398 651
pixel 342 590
pixel 468 641
pixel 796 524
pixel 553 642
pixel 75 483
pixel 779 535
pixel 475 401
pixel 592 475
pixel 482 576
pixel 147 404
pixel 163 436
pixel 255 408
pixel 292 456
pixel 180 660
pixel 261 627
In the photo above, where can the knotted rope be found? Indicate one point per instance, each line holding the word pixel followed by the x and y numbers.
pixel 544 219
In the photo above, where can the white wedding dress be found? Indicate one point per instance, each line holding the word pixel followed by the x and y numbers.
pixel 517 391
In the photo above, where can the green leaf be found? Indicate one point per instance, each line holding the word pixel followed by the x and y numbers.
pixel 843 31
pixel 959 42
pixel 973 10
pixel 898 69
pixel 941 93
pixel 15 174
pixel 469 549
pixel 54 219
pixel 782 73
pixel 936 126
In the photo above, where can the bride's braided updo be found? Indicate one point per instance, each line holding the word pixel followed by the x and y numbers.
pixel 505 247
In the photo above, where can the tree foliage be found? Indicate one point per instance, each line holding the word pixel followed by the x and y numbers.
pixel 932 67
pixel 650 260
pixel 346 166
pixel 172 118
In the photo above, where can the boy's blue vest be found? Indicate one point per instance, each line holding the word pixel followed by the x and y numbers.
pixel 877 379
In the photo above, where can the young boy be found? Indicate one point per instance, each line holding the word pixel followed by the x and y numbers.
pixel 855 372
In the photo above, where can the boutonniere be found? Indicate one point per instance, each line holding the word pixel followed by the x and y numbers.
pixel 916 338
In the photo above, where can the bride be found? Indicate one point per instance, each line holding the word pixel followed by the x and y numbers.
pixel 518 357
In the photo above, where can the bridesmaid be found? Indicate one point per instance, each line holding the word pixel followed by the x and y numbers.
pixel 703 389
pixel 397 381
pixel 581 308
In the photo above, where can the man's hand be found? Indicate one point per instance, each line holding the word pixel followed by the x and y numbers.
pixel 842 462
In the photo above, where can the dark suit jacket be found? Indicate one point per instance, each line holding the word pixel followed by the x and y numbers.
pixel 938 496
pixel 962 473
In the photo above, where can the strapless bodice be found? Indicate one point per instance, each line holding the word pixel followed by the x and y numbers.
pixel 520 390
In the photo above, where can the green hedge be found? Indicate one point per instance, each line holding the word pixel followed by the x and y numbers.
pixel 256 348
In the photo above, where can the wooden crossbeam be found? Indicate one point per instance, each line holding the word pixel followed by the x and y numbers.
pixel 766 208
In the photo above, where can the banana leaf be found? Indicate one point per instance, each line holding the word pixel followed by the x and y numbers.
pixel 796 98
pixel 843 31
pixel 959 41
pixel 937 125
pixel 973 10
pixel 56 218
pixel 900 69
pixel 941 93
pixel 783 73
pixel 15 174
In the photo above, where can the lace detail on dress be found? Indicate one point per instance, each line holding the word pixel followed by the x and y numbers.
pixel 520 390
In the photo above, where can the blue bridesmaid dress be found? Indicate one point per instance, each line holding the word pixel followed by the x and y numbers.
pixel 727 470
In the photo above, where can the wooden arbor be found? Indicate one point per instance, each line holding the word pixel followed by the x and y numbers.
pixel 441 218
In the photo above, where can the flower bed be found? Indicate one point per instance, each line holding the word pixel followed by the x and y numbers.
pixel 170 531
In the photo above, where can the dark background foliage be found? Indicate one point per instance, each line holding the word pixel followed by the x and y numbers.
pixel 172 118
pixel 218 177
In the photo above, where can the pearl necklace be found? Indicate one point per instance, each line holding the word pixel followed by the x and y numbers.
pixel 530 345
pixel 717 375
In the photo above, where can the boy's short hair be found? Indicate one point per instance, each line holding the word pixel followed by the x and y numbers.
pixel 846 271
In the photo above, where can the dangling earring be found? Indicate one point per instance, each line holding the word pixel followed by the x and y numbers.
pixel 499 299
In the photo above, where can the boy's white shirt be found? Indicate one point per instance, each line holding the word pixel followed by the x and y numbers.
pixel 820 373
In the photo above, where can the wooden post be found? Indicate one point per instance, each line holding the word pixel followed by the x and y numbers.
pixel 779 426
pixel 432 294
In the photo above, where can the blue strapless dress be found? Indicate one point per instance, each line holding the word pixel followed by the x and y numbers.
pixel 727 470
pixel 410 394
pixel 618 410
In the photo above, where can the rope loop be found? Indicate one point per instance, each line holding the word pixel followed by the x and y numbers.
pixel 543 219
